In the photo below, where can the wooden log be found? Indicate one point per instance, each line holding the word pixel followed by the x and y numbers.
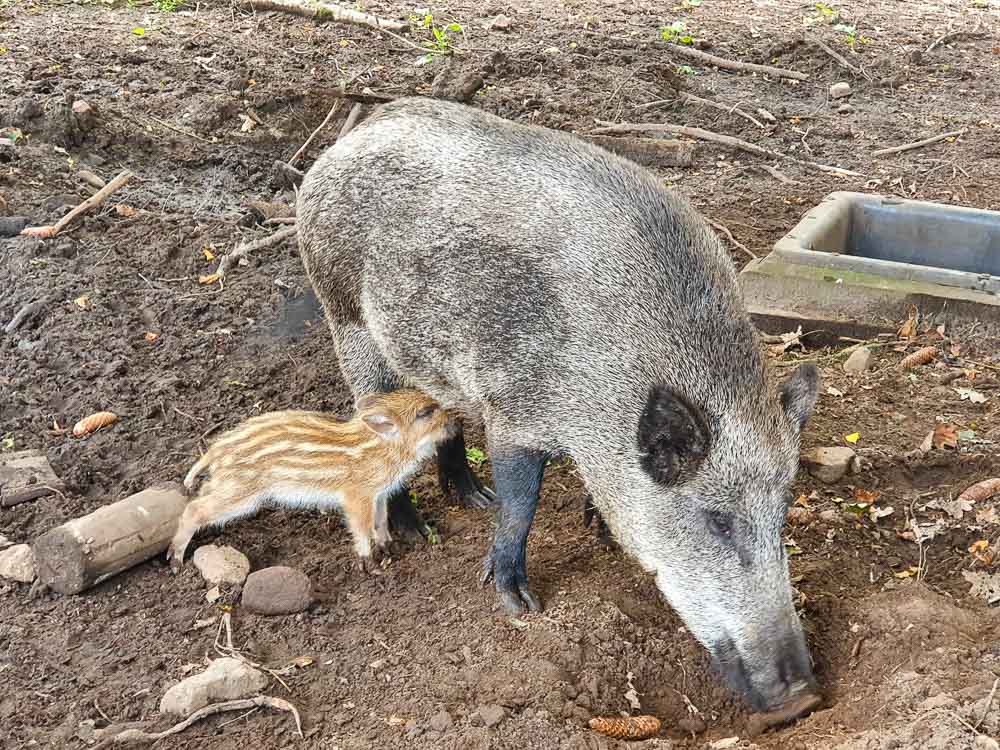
pixel 85 551
pixel 648 151
pixel 26 475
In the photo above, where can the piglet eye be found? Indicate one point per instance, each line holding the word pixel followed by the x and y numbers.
pixel 720 524
pixel 426 411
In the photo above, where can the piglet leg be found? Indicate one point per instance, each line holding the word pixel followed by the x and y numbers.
pixel 518 477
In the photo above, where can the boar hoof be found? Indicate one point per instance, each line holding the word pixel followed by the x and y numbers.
pixel 794 709
pixel 511 584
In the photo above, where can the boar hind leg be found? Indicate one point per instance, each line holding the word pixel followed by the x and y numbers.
pixel 454 471
pixel 366 371
pixel 518 477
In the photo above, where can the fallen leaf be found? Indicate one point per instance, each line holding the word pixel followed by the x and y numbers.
pixel 944 436
pixel 207 252
pixel 151 337
pixel 854 437
pixel 986 516
pixel 924 532
pixel 213 595
pixel 971 395
pixel 831 391
pixel 875 513
pixel 122 210
pixel 199 624
pixel 302 661
pixel 802 501
pixel 956 350
pixel 965 436
pixel 909 328
pixel 984 585
pixel 908 573
pixel 866 496
pixel 395 721
pixel 970 374
pixel 978 546
pixel 248 123
pixel 210 279
pixel 788 340
pixel 139 31
pixel 954 508
pixel 82 301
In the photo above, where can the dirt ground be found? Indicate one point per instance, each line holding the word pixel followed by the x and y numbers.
pixel 199 102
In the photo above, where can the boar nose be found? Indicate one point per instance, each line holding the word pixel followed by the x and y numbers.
pixel 767 682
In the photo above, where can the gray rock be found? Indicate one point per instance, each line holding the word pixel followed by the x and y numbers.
pixel 830 516
pixel 225 680
pixel 441 721
pixel 221 564
pixel 491 715
pixel 829 465
pixel 840 90
pixel 500 23
pixel 90 178
pixel 18 563
pixel 277 591
pixel 860 360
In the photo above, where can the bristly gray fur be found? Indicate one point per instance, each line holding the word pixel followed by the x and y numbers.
pixel 544 286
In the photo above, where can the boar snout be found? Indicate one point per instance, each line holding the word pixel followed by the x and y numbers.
pixel 770 674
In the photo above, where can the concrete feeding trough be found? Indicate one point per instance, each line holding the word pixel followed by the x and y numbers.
pixel 856 263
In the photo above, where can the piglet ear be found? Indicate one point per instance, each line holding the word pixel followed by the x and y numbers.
pixel 673 436
pixel 798 394
pixel 382 424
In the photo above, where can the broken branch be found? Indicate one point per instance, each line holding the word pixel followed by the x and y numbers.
pixel 725 230
pixel 304 146
pixel 951 36
pixel 918 144
pixel 625 128
pixel 320 11
pixel 352 119
pixel 840 58
pixel 26 313
pixel 248 247
pixel 687 98
pixel 48 232
pixel 778 175
pixel 648 151
pixel 140 737
pixel 721 62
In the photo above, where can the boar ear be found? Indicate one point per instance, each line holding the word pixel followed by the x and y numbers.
pixel 382 424
pixel 673 435
pixel 798 394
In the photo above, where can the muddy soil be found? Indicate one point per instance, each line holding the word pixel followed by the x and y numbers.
pixel 200 101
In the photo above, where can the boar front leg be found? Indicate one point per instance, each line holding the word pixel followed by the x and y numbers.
pixel 517 474
pixel 454 471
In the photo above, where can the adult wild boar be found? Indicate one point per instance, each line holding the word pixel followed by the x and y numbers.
pixel 563 297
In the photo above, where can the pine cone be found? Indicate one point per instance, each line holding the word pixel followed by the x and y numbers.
pixel 630 728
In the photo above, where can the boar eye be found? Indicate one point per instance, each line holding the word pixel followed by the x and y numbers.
pixel 426 411
pixel 720 524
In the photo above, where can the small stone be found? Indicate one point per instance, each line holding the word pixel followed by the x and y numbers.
pixel 985 743
pixel 221 564
pixel 845 109
pixel 277 591
pixel 213 595
pixel 692 724
pixel 11 226
pixel 500 23
pixel 859 361
pixel 840 90
pixel 225 680
pixel 726 743
pixel 90 178
pixel 18 563
pixel 829 465
pixel 829 516
pixel 441 721
pixel 799 516
pixel 492 714
pixel 552 51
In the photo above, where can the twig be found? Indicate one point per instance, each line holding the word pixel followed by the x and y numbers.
pixel 140 737
pixel 953 35
pixel 321 11
pixel 182 131
pixel 226 262
pixel 725 230
pixel 609 128
pixel 778 175
pixel 281 220
pixel 687 98
pixel 304 146
pixel 721 62
pixel 840 59
pixel 919 144
pixel 47 232
pixel 352 119
pixel 989 702
pixel 26 313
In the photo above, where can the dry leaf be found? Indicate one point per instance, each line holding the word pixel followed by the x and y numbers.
pixel 831 391
pixel 979 546
pixel 971 395
pixel 956 350
pixel 207 252
pixel 248 123
pixel 854 437
pixel 630 728
pixel 981 491
pixel 94 422
pixel 970 374
pixel 954 508
pixel 919 357
pixel 909 328
pixel 908 573
pixel 866 496
pixel 82 301
pixel 944 436
pixel 984 585
pixel 302 661
pixel 151 337
pixel 210 279
pixel 986 516
pixel 788 340
pixel 123 210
